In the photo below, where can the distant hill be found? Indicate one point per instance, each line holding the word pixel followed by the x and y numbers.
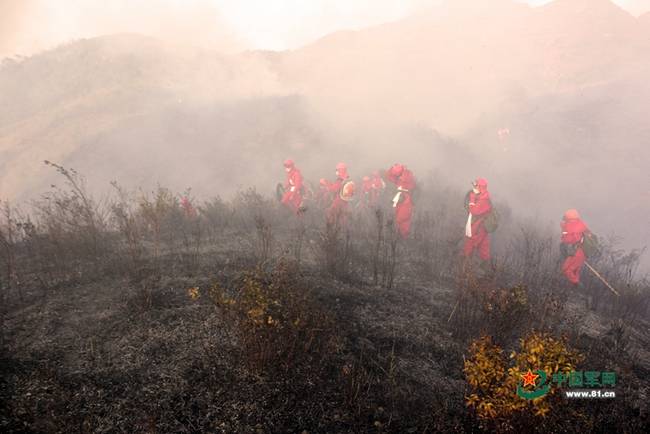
pixel 110 99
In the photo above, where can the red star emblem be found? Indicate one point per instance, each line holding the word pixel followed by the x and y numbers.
pixel 529 378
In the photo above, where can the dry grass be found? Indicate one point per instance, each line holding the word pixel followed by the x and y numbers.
pixel 315 328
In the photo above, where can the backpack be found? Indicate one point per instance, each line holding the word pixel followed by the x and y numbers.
pixel 467 201
pixel 491 220
pixel 590 245
pixel 567 250
pixel 279 191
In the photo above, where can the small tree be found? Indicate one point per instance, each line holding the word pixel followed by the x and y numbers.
pixel 493 380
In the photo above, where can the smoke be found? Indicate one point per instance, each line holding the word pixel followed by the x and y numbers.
pixel 29 26
pixel 14 15
pixel 567 81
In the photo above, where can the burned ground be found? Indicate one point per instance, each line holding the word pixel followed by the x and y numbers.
pixel 246 319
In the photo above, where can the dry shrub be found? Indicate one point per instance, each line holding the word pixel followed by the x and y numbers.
pixel 279 323
pixel 296 243
pixel 505 310
pixel 257 217
pixel 152 224
pixel 66 238
pixel 336 251
pixel 633 303
pixel 329 247
pixel 193 230
pixel 161 215
pixel 75 209
pixel 375 245
pixel 71 223
pixel 129 224
pixel 621 269
pixel 499 312
pixel 217 216
pixel 438 231
pixel 9 233
pixel 9 278
pixel 493 380
pixel 533 256
pixel 263 244
pixel 249 204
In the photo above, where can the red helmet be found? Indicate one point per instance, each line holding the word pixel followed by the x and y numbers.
pixel 341 166
pixel 481 182
pixel 288 162
pixel 396 169
pixel 571 214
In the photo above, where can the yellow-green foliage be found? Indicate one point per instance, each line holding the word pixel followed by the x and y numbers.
pixel 277 321
pixel 194 293
pixel 493 389
pixel 493 378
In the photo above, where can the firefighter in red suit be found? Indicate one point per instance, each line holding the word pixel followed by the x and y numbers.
pixel 372 188
pixel 478 206
pixel 343 190
pixel 188 208
pixel 377 186
pixel 292 197
pixel 573 232
pixel 403 178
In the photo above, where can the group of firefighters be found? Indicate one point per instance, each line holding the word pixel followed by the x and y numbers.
pixel 336 196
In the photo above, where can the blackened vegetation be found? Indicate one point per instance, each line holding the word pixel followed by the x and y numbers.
pixel 137 314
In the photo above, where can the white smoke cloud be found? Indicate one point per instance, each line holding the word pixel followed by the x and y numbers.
pixel 28 26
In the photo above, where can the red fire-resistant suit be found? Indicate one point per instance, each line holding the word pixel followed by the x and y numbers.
pixel 403 201
pixel 292 197
pixel 479 206
pixel 337 212
pixel 188 208
pixel 573 230
pixel 371 187
pixel 377 186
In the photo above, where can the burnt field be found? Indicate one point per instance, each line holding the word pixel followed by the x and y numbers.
pixel 132 314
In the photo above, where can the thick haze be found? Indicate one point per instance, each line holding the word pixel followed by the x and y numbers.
pixel 175 100
pixel 28 26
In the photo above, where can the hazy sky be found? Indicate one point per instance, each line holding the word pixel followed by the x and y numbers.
pixel 27 26
pixel 281 24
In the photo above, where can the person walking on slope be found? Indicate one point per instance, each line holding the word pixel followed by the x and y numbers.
pixel 292 197
pixel 188 209
pixel 403 178
pixel 371 189
pixel 573 233
pixel 377 187
pixel 478 206
pixel 343 190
